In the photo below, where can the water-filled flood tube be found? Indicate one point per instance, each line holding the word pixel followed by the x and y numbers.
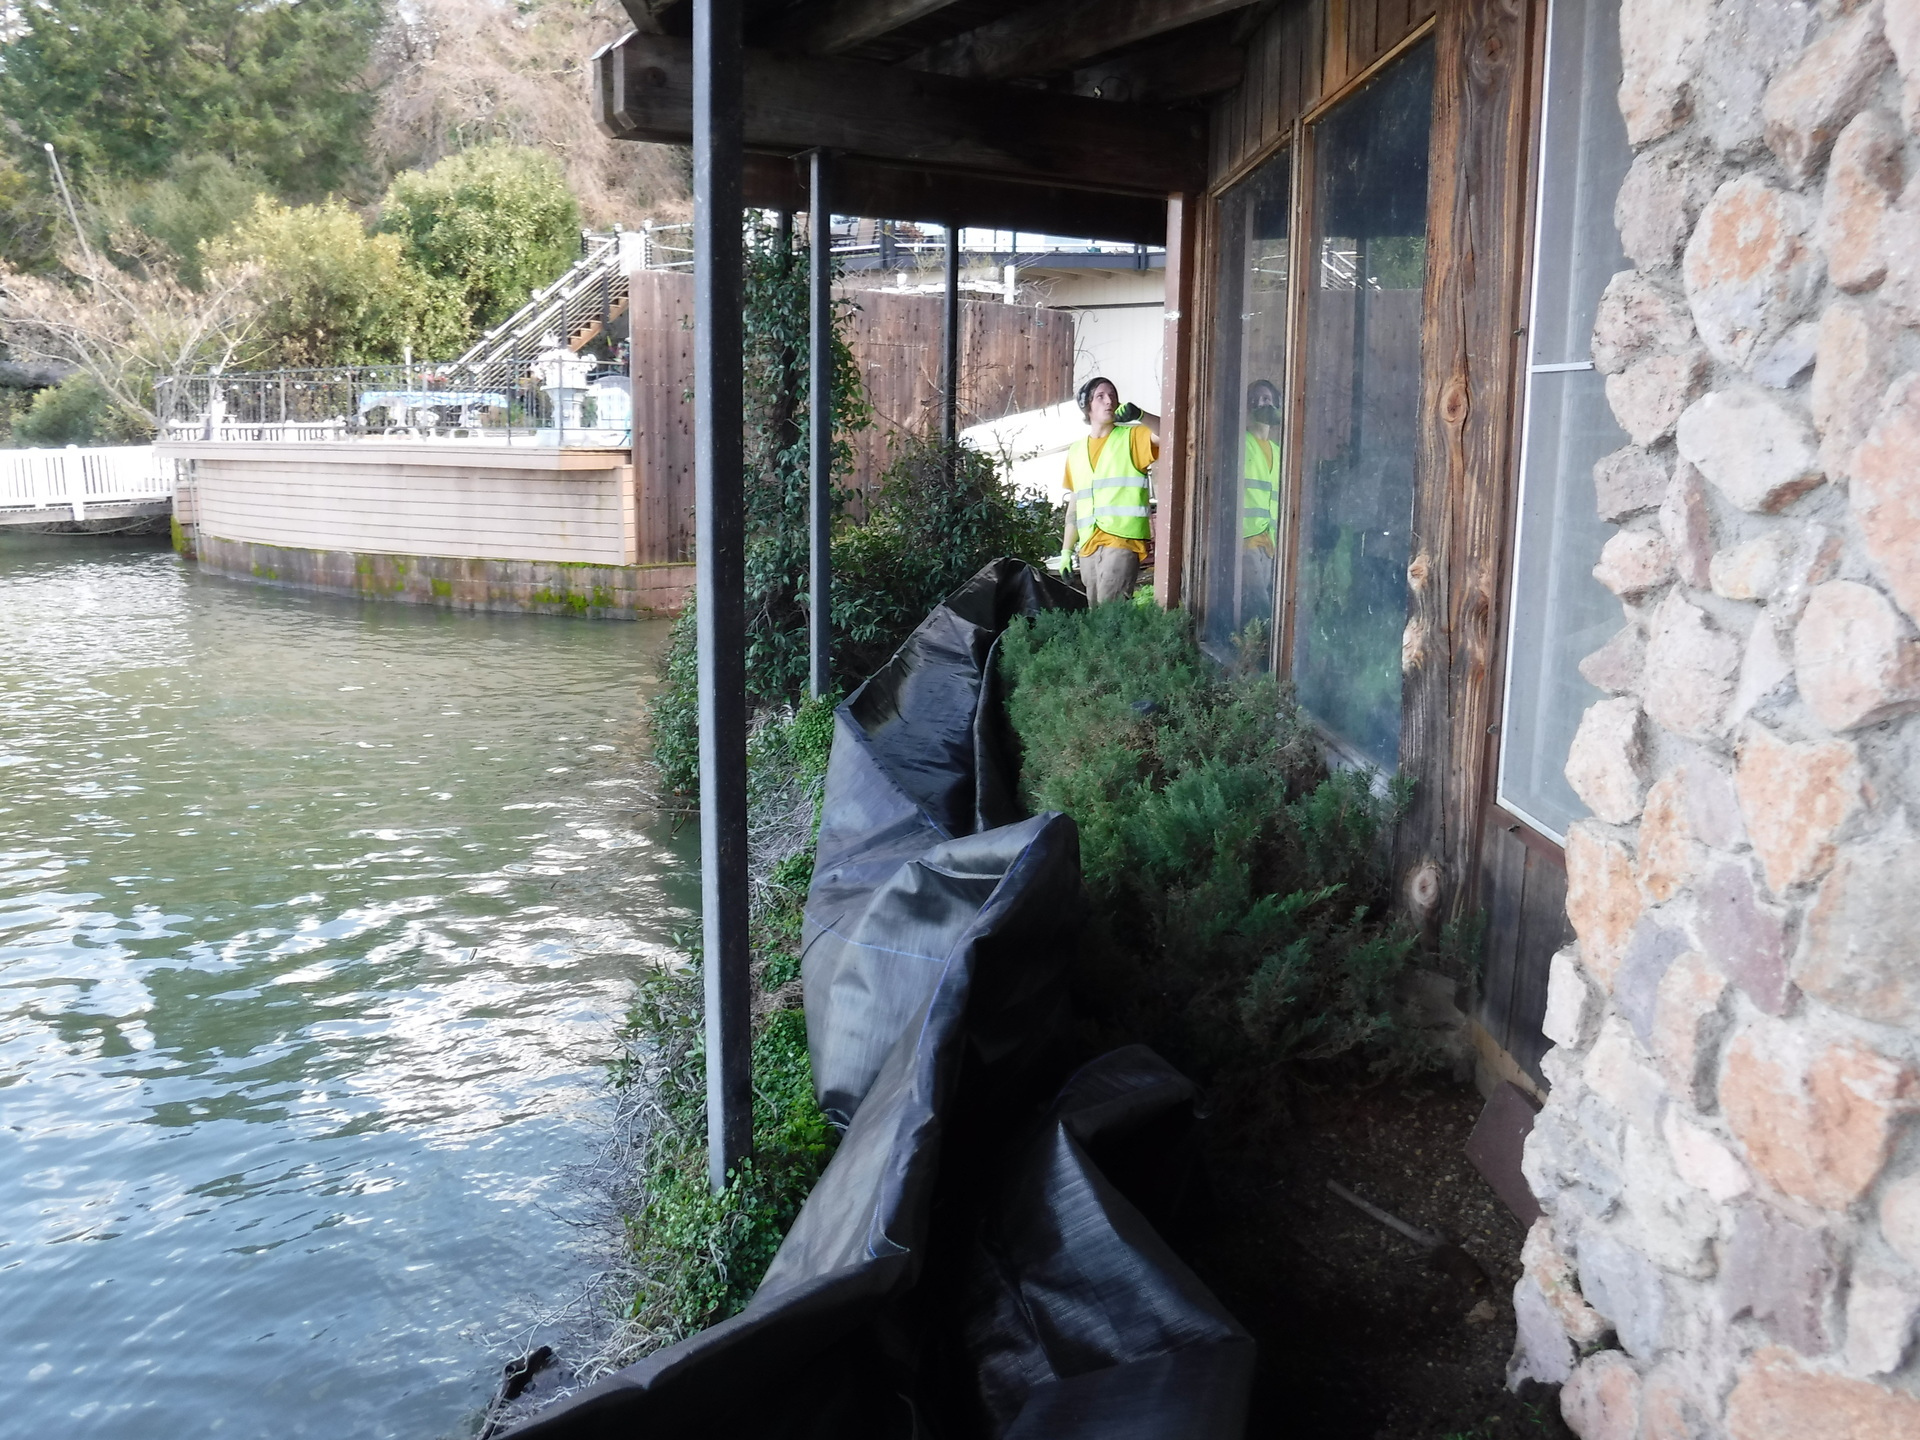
pixel 977 1258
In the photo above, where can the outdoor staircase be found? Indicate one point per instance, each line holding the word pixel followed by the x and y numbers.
pixel 578 307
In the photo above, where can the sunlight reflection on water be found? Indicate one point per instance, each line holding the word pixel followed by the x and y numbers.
pixel 313 919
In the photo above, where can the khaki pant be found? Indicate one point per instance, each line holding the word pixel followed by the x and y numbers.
pixel 1109 573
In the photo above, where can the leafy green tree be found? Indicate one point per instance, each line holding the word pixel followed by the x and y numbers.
pixel 330 293
pixel 27 219
pixel 123 89
pixel 494 223
pixel 199 198
pixel 75 412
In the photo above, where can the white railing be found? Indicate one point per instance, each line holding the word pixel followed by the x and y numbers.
pixel 74 478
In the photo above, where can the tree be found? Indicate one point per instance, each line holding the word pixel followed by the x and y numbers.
pixel 495 223
pixel 27 219
pixel 331 294
pixel 199 198
pixel 123 89
pixel 457 73
pixel 123 329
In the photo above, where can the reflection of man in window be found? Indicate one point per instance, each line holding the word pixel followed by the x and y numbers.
pixel 1107 491
pixel 1259 500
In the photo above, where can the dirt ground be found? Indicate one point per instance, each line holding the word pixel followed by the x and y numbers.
pixel 1360 1336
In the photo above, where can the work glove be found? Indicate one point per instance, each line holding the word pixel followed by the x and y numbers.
pixel 1126 414
pixel 1063 564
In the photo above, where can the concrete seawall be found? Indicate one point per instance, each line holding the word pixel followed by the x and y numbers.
pixel 462 525
pixel 534 587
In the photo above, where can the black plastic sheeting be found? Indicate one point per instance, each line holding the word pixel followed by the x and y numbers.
pixel 977 1260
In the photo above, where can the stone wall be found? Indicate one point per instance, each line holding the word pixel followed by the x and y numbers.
pixel 1729 1173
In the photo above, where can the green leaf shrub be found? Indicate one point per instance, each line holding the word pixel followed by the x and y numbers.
pixel 331 294
pixel 491 225
pixel 941 514
pixel 700 1256
pixel 74 412
pixel 1237 887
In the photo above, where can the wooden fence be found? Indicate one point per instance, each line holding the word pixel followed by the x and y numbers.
pixel 1012 358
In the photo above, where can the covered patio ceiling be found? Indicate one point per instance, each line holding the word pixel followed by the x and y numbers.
pixel 1066 116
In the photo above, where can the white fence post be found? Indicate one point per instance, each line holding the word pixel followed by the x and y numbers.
pixel 75 478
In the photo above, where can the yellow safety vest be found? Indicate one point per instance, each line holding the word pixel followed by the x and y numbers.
pixel 1260 505
pixel 1113 494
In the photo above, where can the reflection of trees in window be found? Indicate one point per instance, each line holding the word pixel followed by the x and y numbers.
pixel 1362 393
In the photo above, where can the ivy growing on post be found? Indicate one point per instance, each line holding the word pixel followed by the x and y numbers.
pixel 779 425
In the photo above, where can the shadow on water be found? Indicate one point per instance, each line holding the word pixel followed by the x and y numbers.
pixel 314 915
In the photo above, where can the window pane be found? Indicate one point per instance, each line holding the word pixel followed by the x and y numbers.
pixel 1362 378
pixel 1560 613
pixel 1583 158
pixel 1242 476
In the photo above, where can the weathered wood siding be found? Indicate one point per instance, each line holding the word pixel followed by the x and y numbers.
pixel 1301 57
pixel 1523 885
pixel 1012 358
pixel 1455 853
pixel 479 500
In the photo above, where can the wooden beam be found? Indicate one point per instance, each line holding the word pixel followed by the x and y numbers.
pixel 1045 39
pixel 896 192
pixel 832 27
pixel 1178 476
pixel 643 90
pixel 1471 361
pixel 1164 76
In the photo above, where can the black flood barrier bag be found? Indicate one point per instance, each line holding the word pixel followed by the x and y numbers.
pixel 976 1260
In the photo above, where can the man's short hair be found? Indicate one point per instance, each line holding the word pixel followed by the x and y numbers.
pixel 1085 395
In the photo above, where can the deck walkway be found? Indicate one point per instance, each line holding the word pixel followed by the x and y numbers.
pixel 109 482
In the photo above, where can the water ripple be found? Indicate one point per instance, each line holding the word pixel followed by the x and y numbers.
pixel 313 916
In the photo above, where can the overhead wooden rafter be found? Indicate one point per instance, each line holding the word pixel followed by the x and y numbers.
pixel 832 27
pixel 868 187
pixel 1060 35
pixel 643 90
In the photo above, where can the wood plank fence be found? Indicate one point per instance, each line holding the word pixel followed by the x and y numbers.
pixel 1012 358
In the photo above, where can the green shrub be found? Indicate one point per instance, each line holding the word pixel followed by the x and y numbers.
pixel 941 514
pixel 330 293
pixel 490 224
pixel 699 1256
pixel 779 426
pixel 1238 888
pixel 75 412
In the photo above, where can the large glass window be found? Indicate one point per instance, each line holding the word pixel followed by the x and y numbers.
pixel 1560 613
pixel 1366 254
pixel 1243 474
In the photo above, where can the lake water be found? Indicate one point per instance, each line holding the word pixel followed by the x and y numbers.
pixel 315 917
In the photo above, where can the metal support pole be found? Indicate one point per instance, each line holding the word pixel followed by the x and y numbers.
pixel 721 579
pixel 820 428
pixel 950 354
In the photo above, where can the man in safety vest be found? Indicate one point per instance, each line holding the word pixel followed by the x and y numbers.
pixel 1259 500
pixel 1107 492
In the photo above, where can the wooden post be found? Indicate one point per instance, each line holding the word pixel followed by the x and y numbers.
pixel 1176 425
pixel 820 428
pixel 950 344
pixel 719 544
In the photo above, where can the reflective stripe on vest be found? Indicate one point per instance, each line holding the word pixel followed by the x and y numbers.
pixel 1260 508
pixel 1113 494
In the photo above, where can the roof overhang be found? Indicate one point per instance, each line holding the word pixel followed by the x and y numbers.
pixel 912 145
